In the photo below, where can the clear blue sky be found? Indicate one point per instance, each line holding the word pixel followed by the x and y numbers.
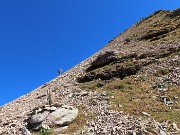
pixel 37 37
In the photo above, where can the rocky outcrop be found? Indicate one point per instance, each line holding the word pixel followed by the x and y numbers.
pixel 104 58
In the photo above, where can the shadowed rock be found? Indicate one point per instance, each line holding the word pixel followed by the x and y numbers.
pixel 103 58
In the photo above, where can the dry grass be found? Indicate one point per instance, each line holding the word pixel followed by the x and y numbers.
pixel 137 95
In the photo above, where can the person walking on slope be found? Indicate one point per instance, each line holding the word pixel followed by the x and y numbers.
pixel 59 71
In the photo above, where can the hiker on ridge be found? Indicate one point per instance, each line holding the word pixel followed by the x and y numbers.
pixel 59 71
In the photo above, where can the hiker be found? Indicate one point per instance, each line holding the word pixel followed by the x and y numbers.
pixel 59 71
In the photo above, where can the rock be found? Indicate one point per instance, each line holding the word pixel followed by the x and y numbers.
pixel 40 126
pixel 53 108
pixel 70 95
pixel 175 127
pixel 120 106
pixel 81 93
pixel 37 118
pixel 62 116
pixel 84 93
pixel 25 131
pixel 168 101
pixel 44 126
pixel 60 129
pixel 146 114
pixel 39 110
pixel 103 58
pixel 175 97
pixel 160 129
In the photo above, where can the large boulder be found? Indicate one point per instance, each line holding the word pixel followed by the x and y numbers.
pixel 38 118
pixel 51 116
pixel 62 116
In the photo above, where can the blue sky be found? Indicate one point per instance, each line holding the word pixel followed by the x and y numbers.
pixel 37 37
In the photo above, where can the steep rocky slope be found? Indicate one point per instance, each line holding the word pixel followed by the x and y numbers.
pixel 131 86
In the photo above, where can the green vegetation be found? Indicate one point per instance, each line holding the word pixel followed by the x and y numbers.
pixel 160 27
pixel 46 132
pixel 137 95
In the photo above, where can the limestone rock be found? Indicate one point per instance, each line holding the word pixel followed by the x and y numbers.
pixel 37 118
pixel 62 116
pixel 145 114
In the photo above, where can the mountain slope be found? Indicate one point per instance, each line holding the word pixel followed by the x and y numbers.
pixel 130 86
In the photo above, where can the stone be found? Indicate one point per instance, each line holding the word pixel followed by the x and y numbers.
pixel 100 84
pixel 37 118
pixel 62 116
pixel 160 129
pixel 53 108
pixel 44 126
pixel 81 93
pixel 39 110
pixel 145 114
pixel 60 129
pixel 175 127
pixel 25 131
pixel 105 57
pixel 120 106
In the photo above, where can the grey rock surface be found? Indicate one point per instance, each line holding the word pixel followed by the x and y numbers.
pixel 25 131
pixel 37 118
pixel 62 116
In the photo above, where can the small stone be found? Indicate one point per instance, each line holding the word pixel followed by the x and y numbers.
pixel 145 114
pixel 175 127
pixel 53 108
pixel 84 93
pixel 70 95
pixel 39 110
pixel 60 129
pixel 104 131
pixel 44 126
pixel 175 97
pixel 47 108
pixel 120 106
pixel 25 131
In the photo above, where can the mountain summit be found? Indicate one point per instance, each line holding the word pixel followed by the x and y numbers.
pixel 131 86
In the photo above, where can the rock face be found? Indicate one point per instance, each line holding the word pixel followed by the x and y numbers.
pixel 135 73
pixel 104 58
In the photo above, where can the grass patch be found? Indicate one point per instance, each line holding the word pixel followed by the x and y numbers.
pixel 46 132
pixel 89 86
pixel 137 96
pixel 134 96
pixel 163 72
